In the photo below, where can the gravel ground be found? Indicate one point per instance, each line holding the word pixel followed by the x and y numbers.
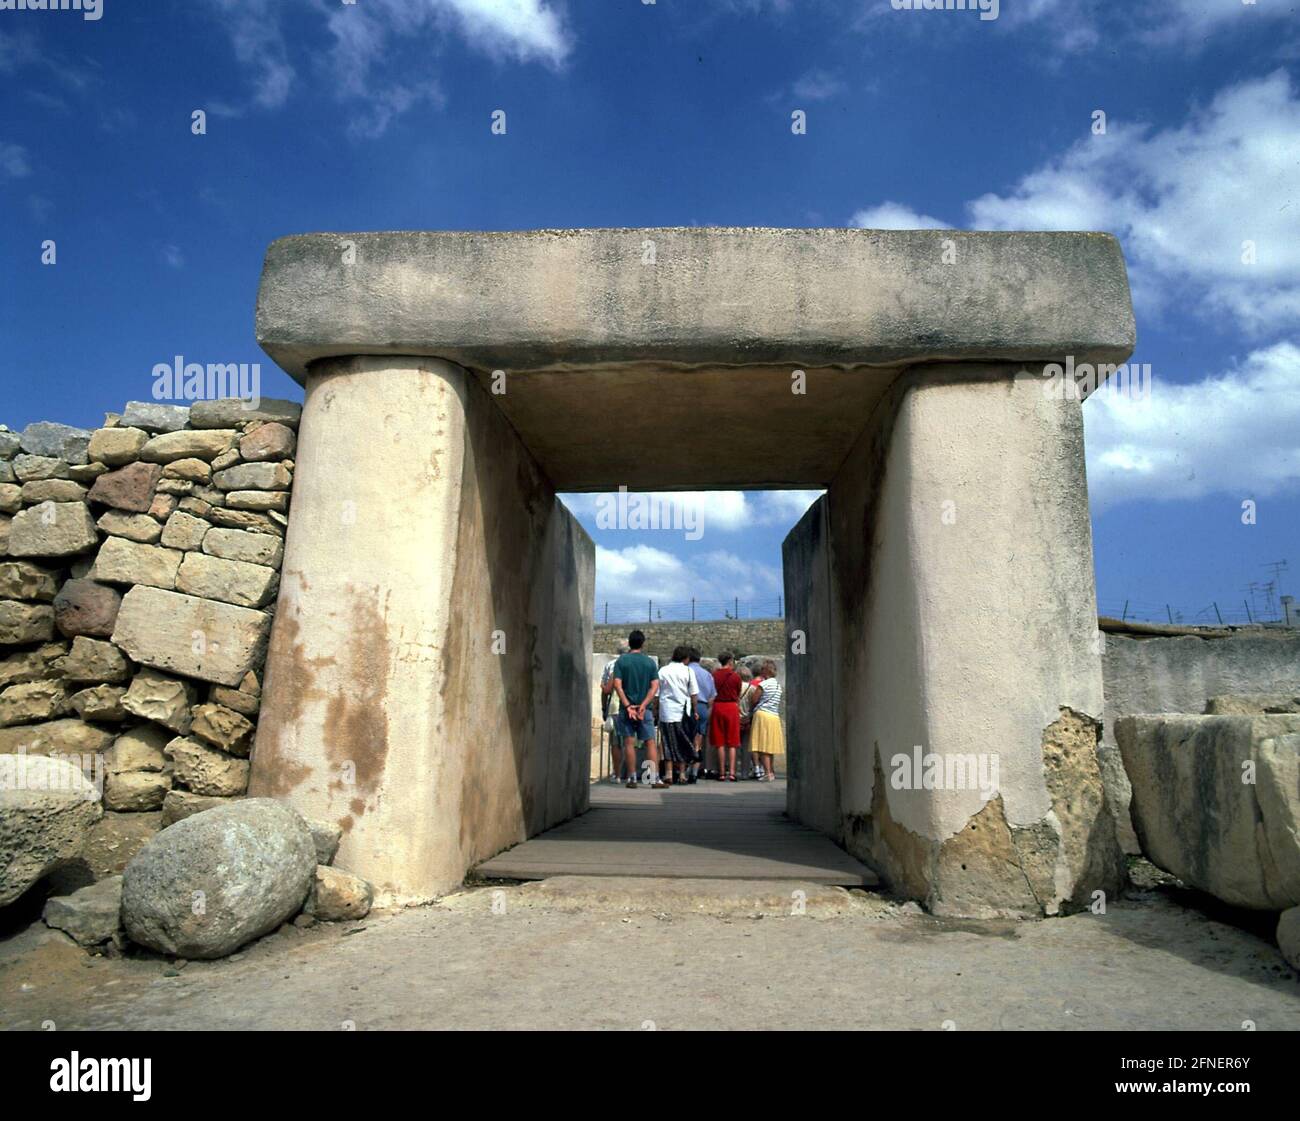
pixel 664 956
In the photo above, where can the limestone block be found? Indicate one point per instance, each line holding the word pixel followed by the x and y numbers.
pixel 253 476
pixel 245 585
pixel 134 527
pixel 205 770
pixel 229 412
pixel 164 700
pixel 31 468
pixel 246 520
pixel 128 488
pixel 162 506
pixel 86 472
pixel 269 443
pixel 31 665
pixel 10 442
pixel 188 444
pixel 93 661
pixel 226 459
pixel 190 470
pixel 199 638
pixel 21 623
pixel 135 791
pixel 24 580
pixel 100 702
pixel 66 736
pixel 138 749
pixel 90 916
pixel 116 447
pixel 153 417
pixel 52 529
pixel 337 896
pixel 60 441
pixel 180 804
pixel 52 490
pixel 1252 704
pixel 240 545
pixel 5 526
pixel 223 728
pixel 184 531
pixel 83 607
pixel 243 703
pixel 326 836
pixel 127 562
pixel 11 498
pixel 261 500
pixel 32 702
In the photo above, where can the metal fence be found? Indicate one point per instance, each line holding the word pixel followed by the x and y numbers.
pixel 688 610
pixel 1213 614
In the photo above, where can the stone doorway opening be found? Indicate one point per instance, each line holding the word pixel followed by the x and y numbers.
pixel 428 677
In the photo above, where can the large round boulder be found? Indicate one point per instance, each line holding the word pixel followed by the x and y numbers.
pixel 212 882
pixel 47 807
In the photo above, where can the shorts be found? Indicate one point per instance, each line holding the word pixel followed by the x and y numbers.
pixel 724 724
pixel 643 729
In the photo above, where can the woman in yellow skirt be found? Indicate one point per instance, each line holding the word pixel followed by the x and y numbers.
pixel 766 736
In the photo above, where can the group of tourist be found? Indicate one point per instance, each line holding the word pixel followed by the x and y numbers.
pixel 679 710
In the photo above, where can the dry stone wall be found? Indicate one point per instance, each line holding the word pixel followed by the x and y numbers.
pixel 139 566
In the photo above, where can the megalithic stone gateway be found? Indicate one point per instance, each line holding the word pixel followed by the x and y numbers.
pixel 426 683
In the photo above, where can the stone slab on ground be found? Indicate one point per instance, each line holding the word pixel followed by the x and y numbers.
pixel 90 915
pixel 661 895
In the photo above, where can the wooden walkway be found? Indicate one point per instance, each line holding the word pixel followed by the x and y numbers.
pixel 714 830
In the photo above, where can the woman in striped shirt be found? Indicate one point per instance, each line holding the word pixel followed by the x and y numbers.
pixel 767 737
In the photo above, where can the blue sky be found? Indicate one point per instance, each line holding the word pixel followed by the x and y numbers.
pixel 324 115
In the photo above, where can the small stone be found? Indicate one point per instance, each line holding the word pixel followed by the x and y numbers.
pixel 31 665
pixel 190 470
pixel 128 488
pixel 21 623
pixel 187 445
pixel 126 562
pixel 52 529
pixel 164 700
pixel 326 837
pixel 302 922
pixel 177 487
pixel 135 791
pixel 101 702
pixel 184 531
pixel 90 916
pixel 226 459
pixel 246 520
pixel 24 580
pixel 229 412
pixel 5 524
pixel 141 748
pixel 84 607
pixel 163 506
pixel 94 661
pixel 116 447
pixel 134 527
pixel 180 804
pixel 240 545
pixel 223 728
pixel 270 442
pixel 205 770
pixel 242 703
pixel 260 500
pixel 196 507
pixel 33 702
pixel 30 468
pixel 86 472
pixel 56 737
pixel 245 585
pixel 52 490
pixel 60 441
pixel 253 476
pixel 11 498
pixel 154 417
pixel 10 442
pixel 337 896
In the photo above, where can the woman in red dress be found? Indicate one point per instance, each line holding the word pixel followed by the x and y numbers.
pixel 724 717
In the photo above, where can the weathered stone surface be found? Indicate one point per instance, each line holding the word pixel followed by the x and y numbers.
pixel 84 607
pixel 32 468
pixel 24 580
pixel 90 915
pixel 10 442
pixel 134 527
pixel 269 443
pixel 260 500
pixel 239 545
pixel 32 702
pixel 195 507
pixel 205 770
pixel 190 444
pixel 31 665
pixel 158 628
pixel 226 459
pixel 252 863
pixel 1198 815
pixel 153 417
pixel 229 412
pixel 245 585
pixel 138 749
pixel 5 526
pixel 116 447
pixel 46 808
pixel 162 506
pixel 52 490
pixel 326 837
pixel 7 471
pixel 11 498
pixel 1252 704
pixel 223 728
pixel 100 702
pixel 127 562
pixel 52 529
pixel 242 703
pixel 61 441
pixel 184 531
pixel 253 476
pixel 135 791
pixel 93 661
pixel 246 520
pixel 337 896
pixel 86 472
pixel 128 488
pixel 1288 936
pixel 180 804
pixel 164 700
pixel 57 737
pixel 110 844
pixel 190 470
pixel 25 622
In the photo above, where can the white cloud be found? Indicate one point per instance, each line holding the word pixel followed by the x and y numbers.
pixel 628 576
pixel 523 29
pixel 13 161
pixel 1233 433
pixel 1077 25
pixel 254 30
pixel 173 257
pixel 817 85
pixel 896 216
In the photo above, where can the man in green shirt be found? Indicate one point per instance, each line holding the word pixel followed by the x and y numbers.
pixel 636 680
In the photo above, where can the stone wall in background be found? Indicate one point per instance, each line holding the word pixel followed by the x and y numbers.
pixel 139 565
pixel 741 636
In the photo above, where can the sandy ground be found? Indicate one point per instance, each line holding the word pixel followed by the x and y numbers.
pixel 678 955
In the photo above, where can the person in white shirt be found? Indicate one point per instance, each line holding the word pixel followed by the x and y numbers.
pixel 678 691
